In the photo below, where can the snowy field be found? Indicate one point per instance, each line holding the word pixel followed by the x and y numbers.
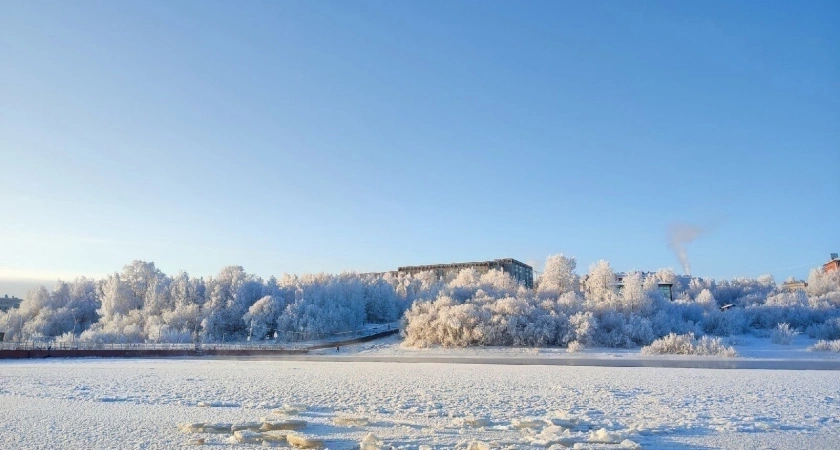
pixel 125 404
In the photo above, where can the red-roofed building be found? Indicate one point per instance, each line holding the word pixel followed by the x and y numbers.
pixel 834 264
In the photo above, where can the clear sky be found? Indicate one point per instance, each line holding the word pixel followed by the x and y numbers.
pixel 306 136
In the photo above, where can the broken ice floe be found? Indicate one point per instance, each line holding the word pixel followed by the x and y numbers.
pixel 290 409
pixel 351 421
pixel 304 441
pixel 251 426
pixel 268 425
pixel 602 436
pixel 478 445
pixel 475 422
pixel 531 422
pixel 201 427
pixel 246 437
pixel 371 442
pixel 217 405
pixel 552 435
pixel 253 437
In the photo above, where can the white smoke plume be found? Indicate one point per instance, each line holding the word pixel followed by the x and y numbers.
pixel 680 234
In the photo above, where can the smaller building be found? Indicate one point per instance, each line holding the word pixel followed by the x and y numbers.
pixel 667 289
pixel 794 285
pixel 7 303
pixel 833 264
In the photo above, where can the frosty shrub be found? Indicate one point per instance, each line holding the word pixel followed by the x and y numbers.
pixel 574 347
pixel 768 316
pixel 725 323
pixel 828 330
pixel 825 346
pixel 687 344
pixel 783 334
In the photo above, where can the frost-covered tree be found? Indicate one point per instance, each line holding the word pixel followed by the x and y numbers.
pixel 262 317
pixel 558 276
pixel 599 286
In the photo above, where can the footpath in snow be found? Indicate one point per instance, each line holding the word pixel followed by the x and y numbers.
pixel 753 353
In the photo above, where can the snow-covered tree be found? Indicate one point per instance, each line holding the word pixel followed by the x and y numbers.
pixel 558 276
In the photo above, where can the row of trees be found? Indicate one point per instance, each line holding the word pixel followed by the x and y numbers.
pixel 141 303
pixel 565 309
pixel 467 308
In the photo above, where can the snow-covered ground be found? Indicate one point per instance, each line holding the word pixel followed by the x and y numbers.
pixel 749 347
pixel 106 404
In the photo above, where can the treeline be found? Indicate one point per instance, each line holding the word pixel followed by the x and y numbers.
pixel 565 310
pixel 142 304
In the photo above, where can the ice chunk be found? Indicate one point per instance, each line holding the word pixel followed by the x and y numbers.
pixel 304 441
pixel 478 445
pixel 195 427
pixel 370 442
pixel 290 409
pixel 282 425
pixel 528 423
pixel 196 441
pixel 552 435
pixel 627 443
pixel 471 422
pixel 247 437
pixel 252 426
pixel 602 436
pixel 351 421
pixel 271 436
pixel 217 405
pixel 564 419
pixel 220 427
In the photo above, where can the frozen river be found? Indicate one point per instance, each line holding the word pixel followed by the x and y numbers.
pixel 108 404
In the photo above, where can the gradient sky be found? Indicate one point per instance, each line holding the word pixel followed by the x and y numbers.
pixel 305 136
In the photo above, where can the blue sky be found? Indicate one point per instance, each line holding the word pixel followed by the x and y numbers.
pixel 305 136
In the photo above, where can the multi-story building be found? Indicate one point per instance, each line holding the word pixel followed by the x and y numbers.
pixel 519 271
pixel 7 303
pixel 667 289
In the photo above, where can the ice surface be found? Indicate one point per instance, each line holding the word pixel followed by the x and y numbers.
pixel 657 408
